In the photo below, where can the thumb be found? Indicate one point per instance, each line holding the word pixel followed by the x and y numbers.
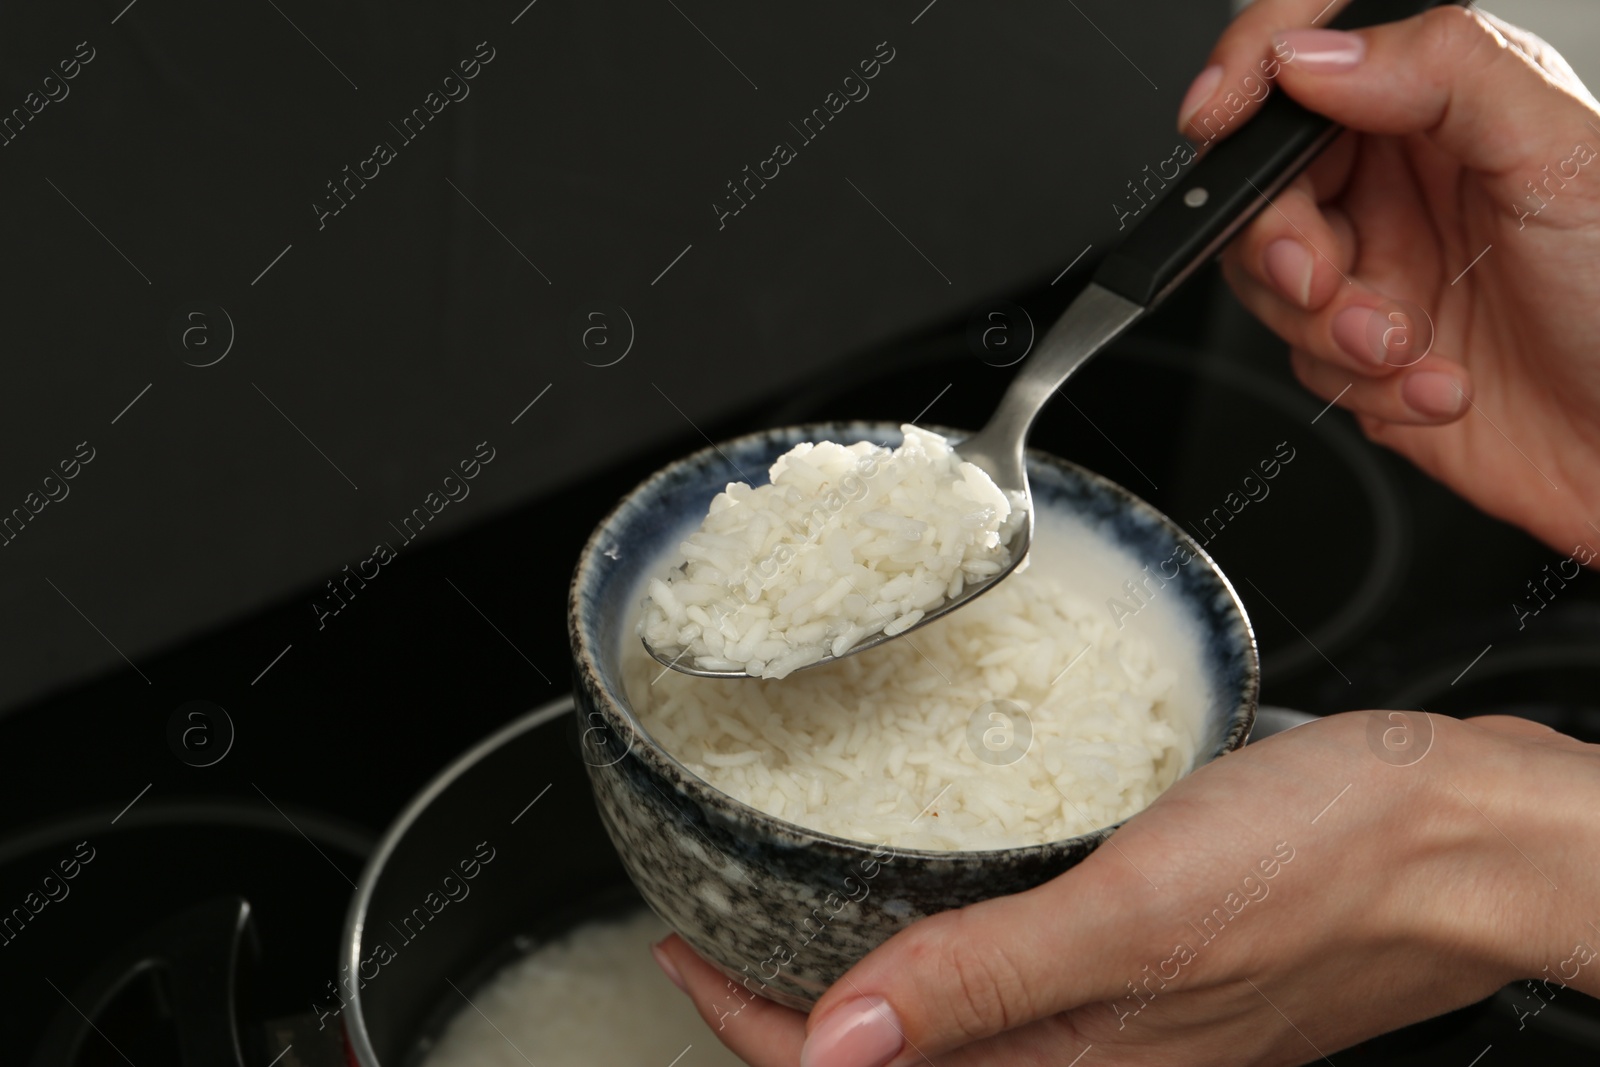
pixel 964 975
pixel 1451 75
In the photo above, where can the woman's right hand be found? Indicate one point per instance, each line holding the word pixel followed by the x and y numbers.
pixel 1469 186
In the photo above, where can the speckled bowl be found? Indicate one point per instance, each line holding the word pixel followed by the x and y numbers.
pixel 782 909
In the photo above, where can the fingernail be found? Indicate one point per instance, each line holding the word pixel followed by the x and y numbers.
pixel 1352 331
pixel 1322 51
pixel 1289 265
pixel 668 968
pixel 859 1033
pixel 1199 92
pixel 1433 394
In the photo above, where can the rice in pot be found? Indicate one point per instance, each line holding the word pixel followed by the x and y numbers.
pixel 592 997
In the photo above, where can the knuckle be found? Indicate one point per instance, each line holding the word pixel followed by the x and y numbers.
pixel 987 992
pixel 1451 34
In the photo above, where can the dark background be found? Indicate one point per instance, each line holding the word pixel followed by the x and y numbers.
pixel 411 327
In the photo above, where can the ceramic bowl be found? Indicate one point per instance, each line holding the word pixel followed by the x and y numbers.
pixel 779 908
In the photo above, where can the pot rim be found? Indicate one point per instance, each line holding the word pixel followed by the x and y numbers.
pixel 355 1023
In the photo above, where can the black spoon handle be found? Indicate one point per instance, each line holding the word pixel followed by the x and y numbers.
pixel 1232 184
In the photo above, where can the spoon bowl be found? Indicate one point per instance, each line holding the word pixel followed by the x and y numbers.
pixel 1021 541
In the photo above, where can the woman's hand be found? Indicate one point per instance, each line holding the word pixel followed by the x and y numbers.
pixel 1370 869
pixel 1469 186
pixel 1331 883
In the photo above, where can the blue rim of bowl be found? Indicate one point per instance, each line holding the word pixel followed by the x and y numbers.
pixel 645 747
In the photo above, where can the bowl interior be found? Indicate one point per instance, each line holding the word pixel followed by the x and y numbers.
pixel 1152 577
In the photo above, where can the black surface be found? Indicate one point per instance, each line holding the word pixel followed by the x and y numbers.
pixel 395 335
pixel 353 719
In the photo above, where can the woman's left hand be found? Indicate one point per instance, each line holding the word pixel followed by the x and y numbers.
pixel 1340 880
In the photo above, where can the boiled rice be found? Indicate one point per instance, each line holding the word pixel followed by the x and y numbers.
pixel 845 542
pixel 883 747
pixel 593 997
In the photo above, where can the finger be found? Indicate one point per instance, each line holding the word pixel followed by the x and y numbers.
pixel 1293 248
pixel 1397 252
pixel 756 1030
pixel 1352 270
pixel 1513 725
pixel 966 975
pixel 1447 74
pixel 1433 392
pixel 1357 347
pixel 1240 70
pixel 1369 177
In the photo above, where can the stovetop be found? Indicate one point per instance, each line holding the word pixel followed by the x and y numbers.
pixel 264 759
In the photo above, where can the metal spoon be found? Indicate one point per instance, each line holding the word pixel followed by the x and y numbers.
pixel 1221 194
